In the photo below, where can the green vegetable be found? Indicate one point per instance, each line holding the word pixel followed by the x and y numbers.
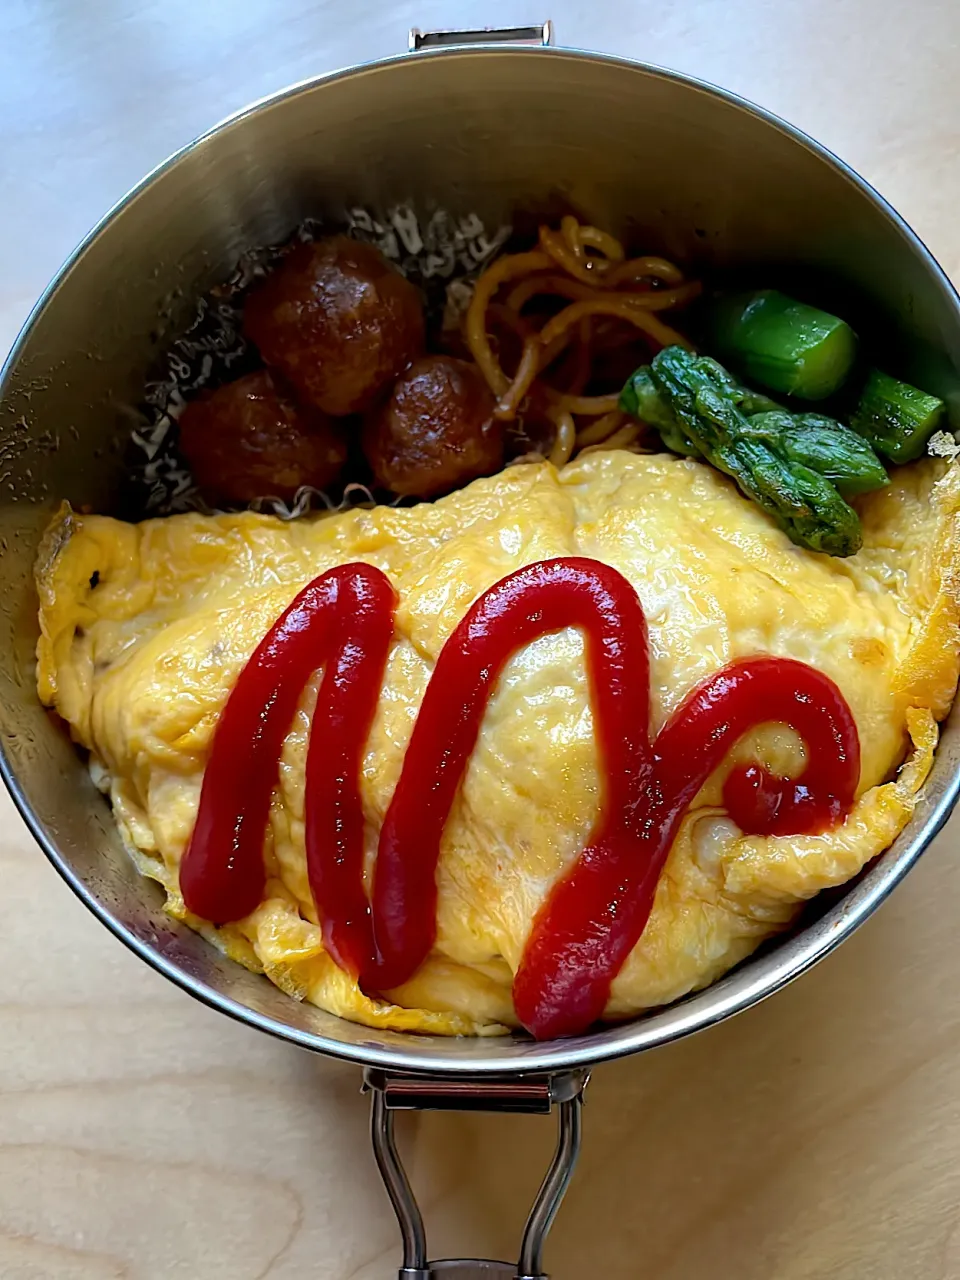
pixel 814 441
pixel 896 418
pixel 825 446
pixel 641 399
pixel 784 344
pixel 804 503
pixel 746 399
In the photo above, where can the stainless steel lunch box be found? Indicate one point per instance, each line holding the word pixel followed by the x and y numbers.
pixel 470 123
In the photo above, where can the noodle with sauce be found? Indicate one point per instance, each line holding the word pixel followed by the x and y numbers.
pixel 604 291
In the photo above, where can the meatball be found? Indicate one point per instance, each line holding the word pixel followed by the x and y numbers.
pixel 338 321
pixel 436 431
pixel 250 439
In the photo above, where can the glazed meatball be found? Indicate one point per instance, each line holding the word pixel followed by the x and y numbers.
pixel 338 321
pixel 436 431
pixel 250 439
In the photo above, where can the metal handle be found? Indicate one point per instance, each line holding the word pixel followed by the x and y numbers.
pixel 531 1095
pixel 537 36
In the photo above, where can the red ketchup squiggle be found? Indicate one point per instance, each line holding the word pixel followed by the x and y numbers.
pixel 532 602
pixel 222 873
pixel 333 811
pixel 595 915
pixel 597 912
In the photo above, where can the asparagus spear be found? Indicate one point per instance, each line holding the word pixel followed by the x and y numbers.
pixel 825 446
pixel 896 418
pixel 746 399
pixel 805 505
pixel 641 398
pixel 784 344
pixel 819 443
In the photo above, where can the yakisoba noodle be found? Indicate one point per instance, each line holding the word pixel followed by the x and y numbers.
pixel 588 268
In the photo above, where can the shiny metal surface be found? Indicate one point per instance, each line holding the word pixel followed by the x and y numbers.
pixel 472 1269
pixel 553 1188
pixel 412 1234
pixel 526 1094
pixel 681 167
pixel 391 1094
pixel 540 35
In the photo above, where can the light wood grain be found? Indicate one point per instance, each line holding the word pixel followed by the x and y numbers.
pixel 143 1136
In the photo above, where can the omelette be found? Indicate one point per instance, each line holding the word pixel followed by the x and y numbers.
pixel 146 627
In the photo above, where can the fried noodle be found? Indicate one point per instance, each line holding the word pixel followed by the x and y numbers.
pixel 607 293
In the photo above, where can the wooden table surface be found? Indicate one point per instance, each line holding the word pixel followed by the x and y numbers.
pixel 144 1136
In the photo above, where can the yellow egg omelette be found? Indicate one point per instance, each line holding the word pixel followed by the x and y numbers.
pixel 145 628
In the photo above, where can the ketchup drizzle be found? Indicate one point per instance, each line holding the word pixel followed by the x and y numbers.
pixel 532 602
pixel 596 912
pixel 340 613
pixel 595 915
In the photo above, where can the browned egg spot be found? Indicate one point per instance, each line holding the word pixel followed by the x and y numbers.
pixel 869 652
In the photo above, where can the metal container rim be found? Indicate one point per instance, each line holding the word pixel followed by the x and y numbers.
pixel 705 1009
